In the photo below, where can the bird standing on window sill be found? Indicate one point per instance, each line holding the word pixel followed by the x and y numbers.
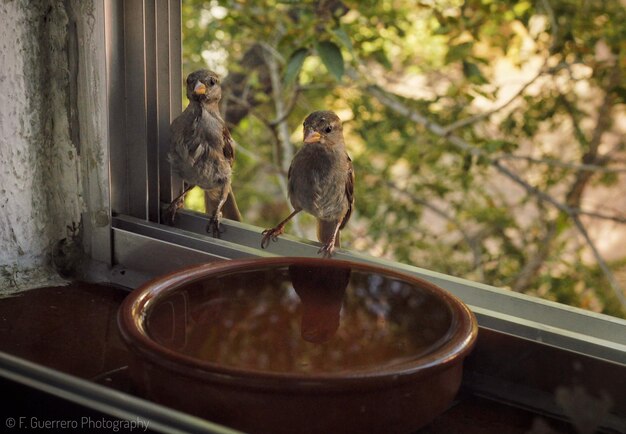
pixel 320 181
pixel 201 151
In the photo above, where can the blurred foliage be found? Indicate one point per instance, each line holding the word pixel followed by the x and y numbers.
pixel 535 87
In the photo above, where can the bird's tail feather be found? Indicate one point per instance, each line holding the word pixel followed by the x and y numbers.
pixel 325 231
pixel 230 210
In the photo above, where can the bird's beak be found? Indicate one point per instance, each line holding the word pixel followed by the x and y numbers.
pixel 312 137
pixel 199 89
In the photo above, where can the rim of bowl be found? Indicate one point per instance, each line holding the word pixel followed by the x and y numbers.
pixel 132 314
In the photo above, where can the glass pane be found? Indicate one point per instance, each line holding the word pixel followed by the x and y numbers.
pixel 487 139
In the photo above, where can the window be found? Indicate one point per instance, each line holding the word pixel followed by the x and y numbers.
pixel 144 64
pixel 144 89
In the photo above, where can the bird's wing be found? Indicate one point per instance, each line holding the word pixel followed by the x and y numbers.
pixel 199 152
pixel 183 138
pixel 229 148
pixel 349 191
pixel 177 133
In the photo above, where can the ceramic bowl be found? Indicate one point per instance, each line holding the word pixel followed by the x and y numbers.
pixel 285 345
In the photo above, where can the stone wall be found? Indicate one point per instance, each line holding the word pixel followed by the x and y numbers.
pixel 52 135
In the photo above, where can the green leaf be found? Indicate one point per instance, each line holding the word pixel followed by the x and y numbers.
pixel 459 52
pixel 332 58
pixel 295 64
pixel 442 30
pixel 472 72
pixel 343 37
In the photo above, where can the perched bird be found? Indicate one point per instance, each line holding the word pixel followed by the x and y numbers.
pixel 320 181
pixel 201 150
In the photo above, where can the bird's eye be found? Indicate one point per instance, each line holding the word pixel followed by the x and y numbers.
pixel 212 81
pixel 328 129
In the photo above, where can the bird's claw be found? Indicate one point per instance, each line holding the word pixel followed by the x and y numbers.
pixel 169 214
pixel 271 235
pixel 214 226
pixel 327 249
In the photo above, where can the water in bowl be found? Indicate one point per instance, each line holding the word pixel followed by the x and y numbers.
pixel 301 319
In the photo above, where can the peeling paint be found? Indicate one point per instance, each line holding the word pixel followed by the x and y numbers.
pixel 41 169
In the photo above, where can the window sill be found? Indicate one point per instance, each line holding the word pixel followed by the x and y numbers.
pixel 153 249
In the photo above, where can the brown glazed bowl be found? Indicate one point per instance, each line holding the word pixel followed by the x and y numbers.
pixel 286 345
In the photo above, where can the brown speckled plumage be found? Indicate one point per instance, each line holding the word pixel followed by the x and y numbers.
pixel 201 151
pixel 320 181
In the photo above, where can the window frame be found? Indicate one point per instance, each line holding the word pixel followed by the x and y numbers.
pixel 144 83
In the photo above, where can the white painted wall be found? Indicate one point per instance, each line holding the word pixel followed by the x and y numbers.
pixel 46 80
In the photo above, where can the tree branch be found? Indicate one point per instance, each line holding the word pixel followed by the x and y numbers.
pixel 615 286
pixel 469 240
pixel 554 26
pixel 563 164
pixel 391 102
pixel 599 215
pixel 535 260
pixel 591 156
pixel 280 122
pixel 480 116
pixel 280 125
pixel 287 111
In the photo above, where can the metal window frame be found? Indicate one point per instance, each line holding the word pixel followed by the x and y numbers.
pixel 145 249
pixel 144 82
pixel 144 86
pixel 143 63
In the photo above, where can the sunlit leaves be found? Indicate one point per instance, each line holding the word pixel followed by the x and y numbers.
pixel 448 61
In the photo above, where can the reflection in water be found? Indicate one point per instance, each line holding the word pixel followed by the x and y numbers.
pixel 301 319
pixel 321 291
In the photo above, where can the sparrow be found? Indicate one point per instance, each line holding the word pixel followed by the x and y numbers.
pixel 320 181
pixel 201 150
